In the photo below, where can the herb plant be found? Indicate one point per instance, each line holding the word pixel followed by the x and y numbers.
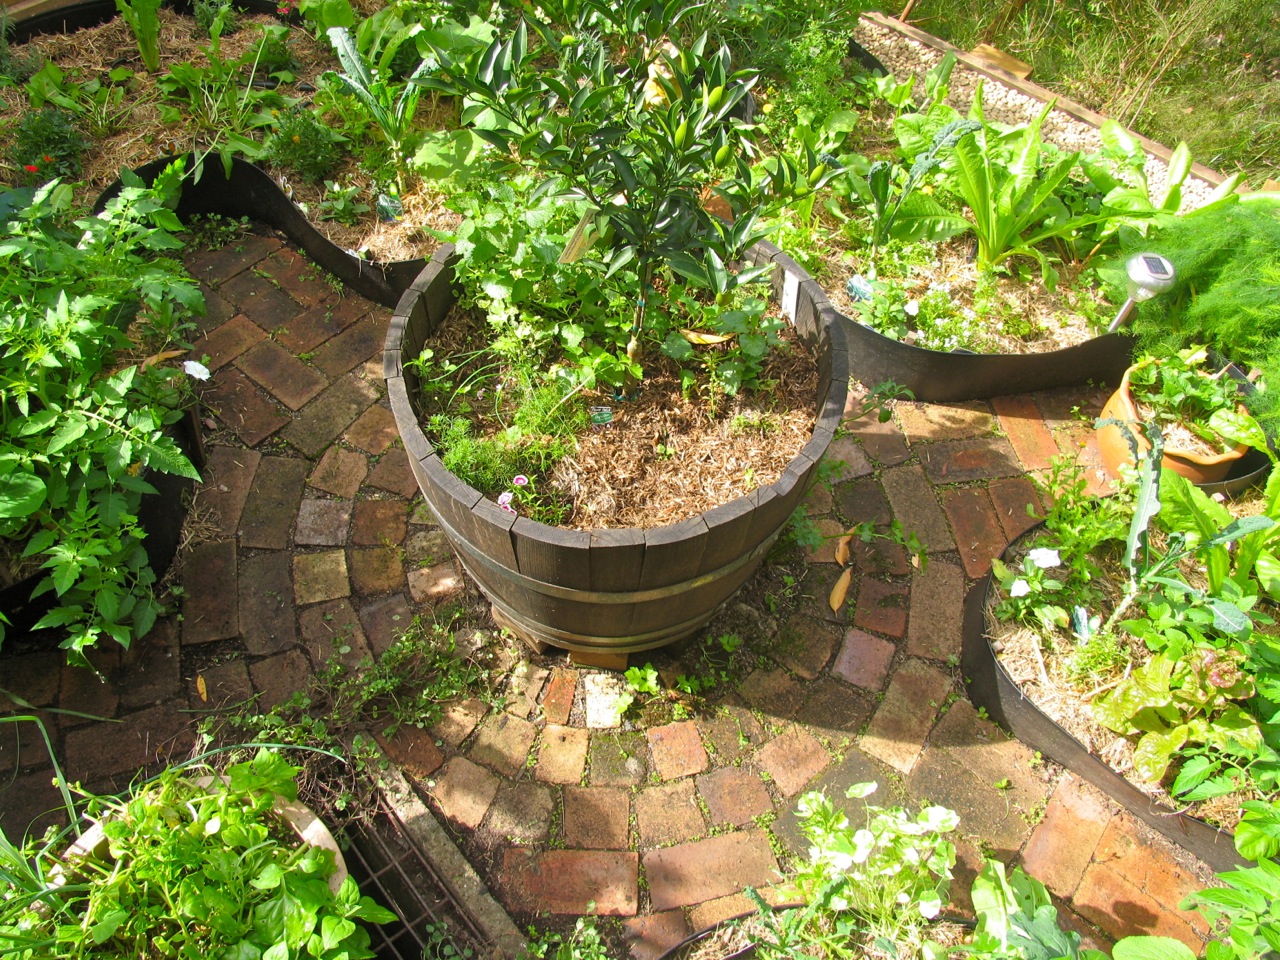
pixel 47 143
pixel 302 144
pixel 143 19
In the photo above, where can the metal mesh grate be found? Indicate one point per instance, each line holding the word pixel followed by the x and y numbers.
pixel 387 864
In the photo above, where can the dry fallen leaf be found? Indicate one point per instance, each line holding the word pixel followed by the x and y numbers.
pixel 201 688
pixel 839 590
pixel 842 549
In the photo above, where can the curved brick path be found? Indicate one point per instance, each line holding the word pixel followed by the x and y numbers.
pixel 316 532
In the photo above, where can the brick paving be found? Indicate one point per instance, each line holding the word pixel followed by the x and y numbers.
pixel 316 543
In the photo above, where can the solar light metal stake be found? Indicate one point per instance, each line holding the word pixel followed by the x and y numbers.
pixel 1149 275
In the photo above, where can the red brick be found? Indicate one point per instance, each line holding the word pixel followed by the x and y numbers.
pixel 705 869
pixel 458 719
pixel 464 791
pixel 830 531
pixel 711 912
pixel 267 622
pixel 322 523
pixel 1024 425
pixel 340 472
pixel 373 431
pixel 436 583
pixel 958 461
pixel 1122 910
pixel 1149 866
pixel 413 750
pixel 651 936
pixel 375 570
pixel 1064 841
pixel 259 299
pixel 979 535
pixel 223 344
pixel 521 813
pixel 85 692
pixel 228 260
pixel 228 477
pixel 847 458
pixel 596 818
pixel 393 474
pixel 300 278
pixel 775 692
pixel 1012 497
pixel 792 760
pixel 883 441
pixel 320 576
pixel 351 348
pixel 864 660
pixel 558 702
pixel 905 716
pixel 385 620
pixel 209 579
pixel 863 500
pixel 805 645
pixel 882 607
pixel 273 502
pixel 224 684
pixel 677 750
pixel 244 409
pixel 1079 441
pixel 117 751
pixel 503 743
pixel 734 796
pixel 937 599
pixel 380 522
pixel 944 421
pixel 328 629
pixel 570 881
pixel 562 758
pixel 278 678
pixel 668 814
pixel 327 416
pixel 282 374
pixel 915 505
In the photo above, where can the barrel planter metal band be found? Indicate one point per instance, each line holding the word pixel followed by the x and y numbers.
pixel 612 591
pixel 991 688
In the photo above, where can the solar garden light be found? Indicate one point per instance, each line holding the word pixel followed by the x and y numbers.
pixel 1149 275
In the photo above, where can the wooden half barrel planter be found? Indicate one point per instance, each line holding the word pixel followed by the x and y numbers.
pixel 603 594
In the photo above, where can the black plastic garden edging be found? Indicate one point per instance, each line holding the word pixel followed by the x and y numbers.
pixel 935 376
pixel 991 688
pixel 251 192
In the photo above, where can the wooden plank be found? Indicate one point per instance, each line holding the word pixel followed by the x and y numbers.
pixel 1001 60
pixel 492 532
pixel 553 555
pixel 673 553
pixel 727 529
pixel 617 559
pixel 451 499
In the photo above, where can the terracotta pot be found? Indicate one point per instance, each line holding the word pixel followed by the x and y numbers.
pixel 1114 445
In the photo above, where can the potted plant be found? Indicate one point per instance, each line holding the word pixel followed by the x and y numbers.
pixel 1198 413
pixel 624 135
pixel 189 865
pixel 90 396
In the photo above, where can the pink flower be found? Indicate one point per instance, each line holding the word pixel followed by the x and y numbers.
pixel 504 499
pixel 506 508
pixel 520 480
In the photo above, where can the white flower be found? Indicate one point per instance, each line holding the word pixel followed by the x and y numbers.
pixel 911 308
pixel 1043 557
pixel 1019 588
pixel 195 370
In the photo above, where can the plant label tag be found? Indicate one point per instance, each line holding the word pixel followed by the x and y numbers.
pixel 601 417
pixel 584 235
pixel 790 294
